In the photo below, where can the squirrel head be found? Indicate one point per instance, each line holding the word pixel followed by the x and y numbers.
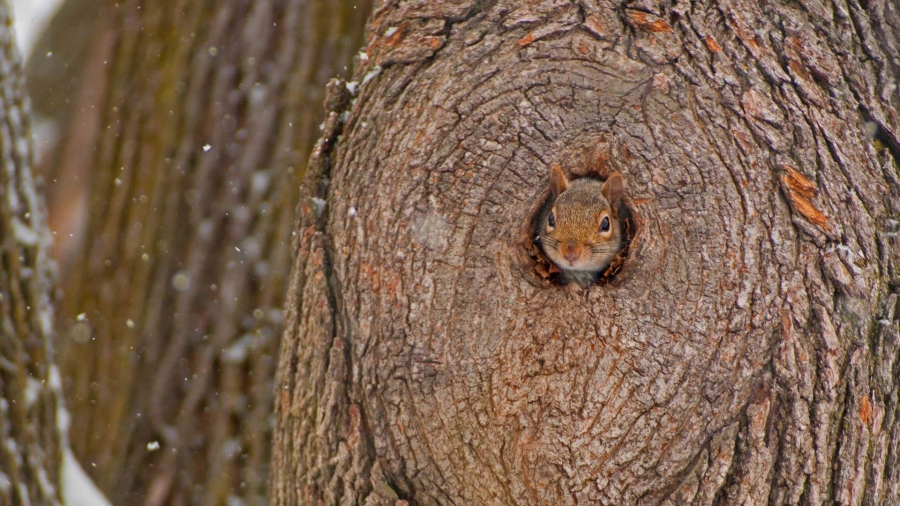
pixel 580 231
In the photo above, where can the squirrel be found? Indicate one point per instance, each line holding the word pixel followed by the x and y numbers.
pixel 579 228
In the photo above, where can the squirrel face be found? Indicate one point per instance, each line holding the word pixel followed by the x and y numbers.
pixel 580 232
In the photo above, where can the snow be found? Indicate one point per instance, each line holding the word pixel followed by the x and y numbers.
pixel 5 484
pixel 259 182
pixel 181 281
pixel 44 483
pixel 372 74
pixel 238 351
pixel 206 228
pixel 276 316
pixel 54 380
pixel 32 391
pixel 845 249
pixel 231 448
pixel 29 18
pixel 258 93
pixel 320 206
pixel 77 487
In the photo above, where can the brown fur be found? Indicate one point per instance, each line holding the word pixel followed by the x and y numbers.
pixel 576 244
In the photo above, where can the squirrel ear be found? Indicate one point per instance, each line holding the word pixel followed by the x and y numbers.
pixel 613 188
pixel 558 181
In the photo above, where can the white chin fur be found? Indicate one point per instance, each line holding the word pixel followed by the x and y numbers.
pixel 579 266
pixel 586 266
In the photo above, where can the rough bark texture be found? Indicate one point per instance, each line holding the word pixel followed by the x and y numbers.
pixel 30 451
pixel 173 313
pixel 747 352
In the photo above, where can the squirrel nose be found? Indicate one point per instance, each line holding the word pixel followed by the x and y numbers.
pixel 571 252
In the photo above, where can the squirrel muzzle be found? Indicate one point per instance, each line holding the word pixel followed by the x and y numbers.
pixel 571 251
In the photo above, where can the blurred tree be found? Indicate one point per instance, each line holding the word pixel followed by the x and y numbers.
pixel 746 353
pixel 66 73
pixel 173 312
pixel 30 449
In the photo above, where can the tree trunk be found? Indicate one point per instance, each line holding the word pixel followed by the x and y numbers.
pixel 746 352
pixel 65 75
pixel 30 449
pixel 174 311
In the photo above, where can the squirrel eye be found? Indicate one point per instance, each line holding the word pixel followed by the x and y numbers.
pixel 604 225
pixel 551 222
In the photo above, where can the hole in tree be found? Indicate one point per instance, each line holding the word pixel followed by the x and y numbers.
pixel 537 263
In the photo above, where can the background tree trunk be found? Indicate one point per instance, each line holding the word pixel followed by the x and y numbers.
pixel 66 73
pixel 30 449
pixel 173 313
pixel 747 352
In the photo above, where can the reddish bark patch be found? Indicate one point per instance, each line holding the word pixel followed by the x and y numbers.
pixel 593 24
pixel 713 45
pixel 647 22
pixel 396 37
pixel 800 190
pixel 865 412
pixel 799 183
pixel 528 39
pixel 749 39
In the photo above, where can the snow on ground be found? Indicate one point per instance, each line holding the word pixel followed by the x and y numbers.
pixel 78 489
pixel 29 18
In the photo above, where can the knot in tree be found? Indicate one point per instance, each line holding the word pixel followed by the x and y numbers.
pixel 745 351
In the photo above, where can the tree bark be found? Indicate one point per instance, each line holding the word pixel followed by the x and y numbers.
pixel 745 353
pixel 173 313
pixel 30 445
